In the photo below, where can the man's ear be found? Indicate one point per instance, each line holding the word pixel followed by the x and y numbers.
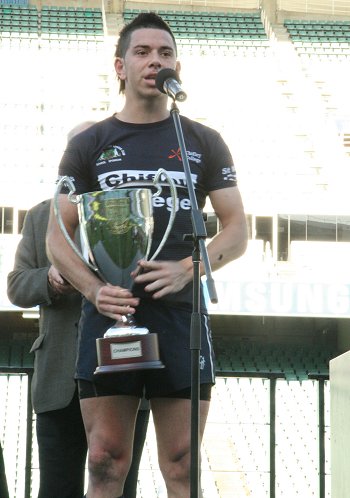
pixel 119 68
pixel 178 67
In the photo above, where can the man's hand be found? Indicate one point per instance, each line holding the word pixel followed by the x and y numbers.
pixel 163 277
pixel 114 301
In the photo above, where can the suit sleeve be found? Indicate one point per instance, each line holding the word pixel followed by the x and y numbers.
pixel 27 283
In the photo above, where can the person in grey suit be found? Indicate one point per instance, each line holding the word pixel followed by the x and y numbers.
pixel 60 431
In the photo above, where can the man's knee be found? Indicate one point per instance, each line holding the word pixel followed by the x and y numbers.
pixel 105 466
pixel 177 467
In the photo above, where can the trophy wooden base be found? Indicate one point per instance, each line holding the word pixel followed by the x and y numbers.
pixel 123 353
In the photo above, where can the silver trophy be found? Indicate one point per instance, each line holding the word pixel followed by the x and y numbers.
pixel 117 227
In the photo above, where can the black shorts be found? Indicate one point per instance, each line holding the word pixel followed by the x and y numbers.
pixel 92 390
pixel 173 326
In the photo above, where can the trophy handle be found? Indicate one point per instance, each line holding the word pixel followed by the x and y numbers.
pixel 173 192
pixel 73 199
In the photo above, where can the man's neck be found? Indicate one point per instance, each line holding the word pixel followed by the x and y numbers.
pixel 141 114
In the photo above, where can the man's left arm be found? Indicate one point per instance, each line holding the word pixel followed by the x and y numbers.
pixel 231 241
pixel 167 277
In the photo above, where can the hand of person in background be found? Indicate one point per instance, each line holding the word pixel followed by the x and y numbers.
pixel 58 284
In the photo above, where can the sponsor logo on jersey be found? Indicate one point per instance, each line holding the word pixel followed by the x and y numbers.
pixel 229 174
pixel 111 179
pixel 111 154
pixel 192 156
pixel 175 154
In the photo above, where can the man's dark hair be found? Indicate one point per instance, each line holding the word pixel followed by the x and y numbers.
pixel 143 20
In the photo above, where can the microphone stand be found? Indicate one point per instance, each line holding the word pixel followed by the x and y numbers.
pixel 198 236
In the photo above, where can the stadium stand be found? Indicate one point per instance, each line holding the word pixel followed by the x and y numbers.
pixel 290 362
pixel 67 21
pixel 211 26
pixel 21 20
pixel 51 21
pixel 213 32
pixel 324 38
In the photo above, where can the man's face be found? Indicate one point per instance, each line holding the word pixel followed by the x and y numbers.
pixel 149 51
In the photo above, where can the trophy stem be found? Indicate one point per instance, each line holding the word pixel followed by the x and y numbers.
pixel 125 326
pixel 127 320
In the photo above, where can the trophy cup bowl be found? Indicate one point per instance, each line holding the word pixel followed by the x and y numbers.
pixel 117 228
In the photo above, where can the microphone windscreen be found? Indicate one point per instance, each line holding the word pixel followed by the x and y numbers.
pixel 163 75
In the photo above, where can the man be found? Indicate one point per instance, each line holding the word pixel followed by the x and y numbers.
pixel 60 431
pixel 131 145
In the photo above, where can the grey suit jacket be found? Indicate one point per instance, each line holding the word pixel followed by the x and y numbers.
pixel 53 383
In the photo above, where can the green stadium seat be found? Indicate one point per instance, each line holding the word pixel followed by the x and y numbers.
pixel 15 353
pixel 293 362
pixel 69 20
pixel 327 32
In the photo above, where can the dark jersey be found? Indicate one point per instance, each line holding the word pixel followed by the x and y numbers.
pixel 112 152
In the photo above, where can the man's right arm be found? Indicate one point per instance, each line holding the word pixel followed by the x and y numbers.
pixel 112 301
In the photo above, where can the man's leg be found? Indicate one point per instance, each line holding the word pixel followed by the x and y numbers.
pixel 172 419
pixel 109 424
pixel 62 452
pixel 130 486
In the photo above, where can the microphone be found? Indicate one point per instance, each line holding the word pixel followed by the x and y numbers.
pixel 168 82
